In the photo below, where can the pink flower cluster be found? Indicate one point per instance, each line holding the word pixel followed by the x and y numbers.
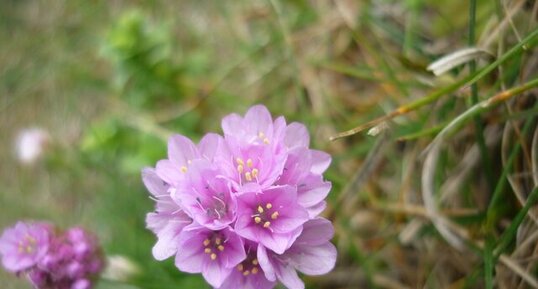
pixel 243 209
pixel 71 260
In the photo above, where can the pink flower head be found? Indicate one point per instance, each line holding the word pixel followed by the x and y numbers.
pixel 248 274
pixel 212 253
pixel 23 245
pixel 312 254
pixel 70 260
pixel 255 193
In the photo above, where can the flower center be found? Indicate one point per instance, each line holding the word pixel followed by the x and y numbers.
pixel 249 172
pixel 264 215
pixel 215 208
pixel 249 266
pixel 214 245
pixel 27 244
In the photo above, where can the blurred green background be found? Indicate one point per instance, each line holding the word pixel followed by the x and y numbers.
pixel 109 81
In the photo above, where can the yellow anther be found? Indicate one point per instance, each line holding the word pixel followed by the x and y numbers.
pixel 240 267
pixel 213 256
pixel 239 161
pixel 218 241
pixel 269 205
pixel 221 248
pixel 260 209
pixel 248 176
pixel 21 249
pixel 266 141
pixel 254 270
pixel 266 224
pixel 246 273
pixel 249 163
pixel 30 239
pixel 183 169
pixel 255 262
pixel 29 249
pixel 274 216
pixel 255 173
pixel 207 250
pixel 257 220
pixel 240 168
pixel 261 135
pixel 206 242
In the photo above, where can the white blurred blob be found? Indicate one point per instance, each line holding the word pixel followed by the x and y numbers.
pixel 120 268
pixel 30 144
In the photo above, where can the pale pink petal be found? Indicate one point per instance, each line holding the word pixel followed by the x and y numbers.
pixel 214 273
pixel 155 185
pixel 169 172
pixel 314 260
pixel 296 135
pixel 181 149
pixel 320 161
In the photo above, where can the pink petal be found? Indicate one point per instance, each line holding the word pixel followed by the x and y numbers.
pixel 232 124
pixel 314 260
pixel 296 135
pixel 181 149
pixel 315 232
pixel 214 273
pixel 209 145
pixel 266 264
pixel 169 172
pixel 258 119
pixel 167 242
pixel 155 185
pixel 288 276
pixel 320 161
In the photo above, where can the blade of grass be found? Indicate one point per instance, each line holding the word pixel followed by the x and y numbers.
pixel 442 91
pixel 510 233
pixel 479 127
pixel 488 263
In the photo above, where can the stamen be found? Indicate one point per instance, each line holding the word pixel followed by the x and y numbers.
pixel 239 161
pixel 29 249
pixel 248 176
pixel 261 135
pixel 255 173
pixel 274 216
pixel 249 163
pixel 255 262
pixel 246 273
pixel 207 242
pixel 218 241
pixel 260 209
pixel 213 256
pixel 240 168
pixel 257 220
pixel 207 250
pixel 266 141
pixel 269 205
pixel 240 267
pixel 254 270
pixel 221 248
pixel 266 224
pixel 183 169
